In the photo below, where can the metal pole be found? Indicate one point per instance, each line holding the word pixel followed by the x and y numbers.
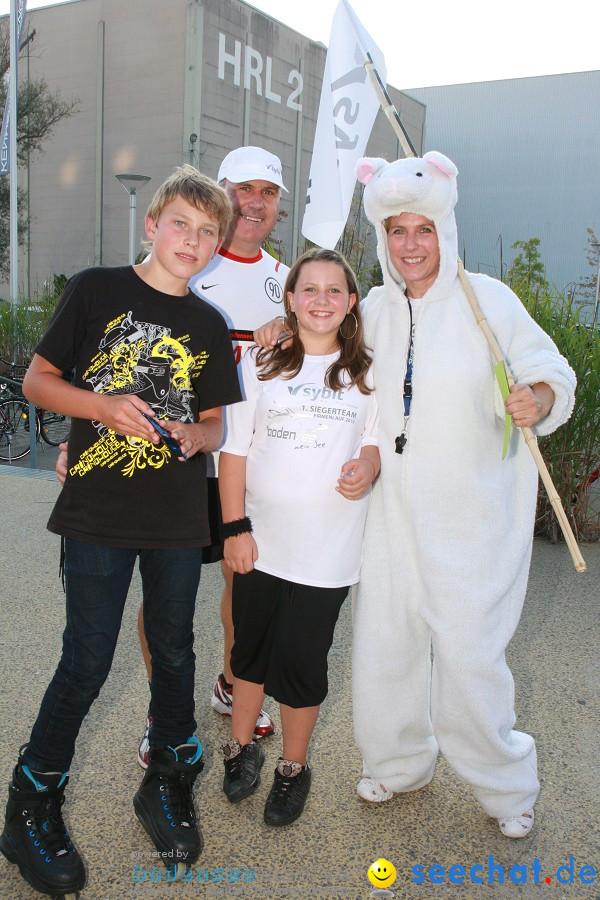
pixel 297 167
pixel 12 150
pixel 131 183
pixel 32 437
pixel 132 218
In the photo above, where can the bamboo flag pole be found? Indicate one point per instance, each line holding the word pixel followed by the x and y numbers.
pixel 385 101
pixel 528 434
pixel 394 119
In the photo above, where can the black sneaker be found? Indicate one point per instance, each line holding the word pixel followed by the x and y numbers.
pixel 242 769
pixel 164 803
pixel 35 837
pixel 288 795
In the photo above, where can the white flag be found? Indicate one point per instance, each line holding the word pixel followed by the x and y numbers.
pixel 5 133
pixel 347 113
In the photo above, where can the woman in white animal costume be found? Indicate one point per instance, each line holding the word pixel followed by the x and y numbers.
pixel 449 532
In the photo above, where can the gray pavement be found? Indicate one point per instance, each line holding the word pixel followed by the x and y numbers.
pixel 327 852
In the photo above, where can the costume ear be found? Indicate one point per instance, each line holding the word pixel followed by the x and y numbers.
pixel 442 163
pixel 366 168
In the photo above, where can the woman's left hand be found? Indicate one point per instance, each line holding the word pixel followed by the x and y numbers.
pixel 356 478
pixel 529 404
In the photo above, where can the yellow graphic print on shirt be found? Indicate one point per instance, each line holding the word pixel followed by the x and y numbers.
pixel 144 359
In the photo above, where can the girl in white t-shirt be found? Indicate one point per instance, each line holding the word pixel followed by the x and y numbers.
pixel 302 444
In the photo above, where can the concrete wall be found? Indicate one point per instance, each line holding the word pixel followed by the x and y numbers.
pixel 149 74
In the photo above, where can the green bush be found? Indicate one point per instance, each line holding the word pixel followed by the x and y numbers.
pixel 22 324
pixel 572 453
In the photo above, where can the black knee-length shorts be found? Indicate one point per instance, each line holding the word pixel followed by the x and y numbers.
pixel 283 632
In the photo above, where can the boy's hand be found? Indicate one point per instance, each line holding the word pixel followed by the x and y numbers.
pixel 239 553
pixel 122 413
pixel 61 463
pixel 268 335
pixel 356 478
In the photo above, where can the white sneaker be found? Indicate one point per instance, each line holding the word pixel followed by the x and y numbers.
pixel 517 826
pixel 222 702
pixel 372 790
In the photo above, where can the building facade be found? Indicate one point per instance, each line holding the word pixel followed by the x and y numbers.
pixel 161 82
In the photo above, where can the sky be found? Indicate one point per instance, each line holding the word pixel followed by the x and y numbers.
pixel 440 42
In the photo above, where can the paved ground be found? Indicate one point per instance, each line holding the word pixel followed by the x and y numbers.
pixel 326 853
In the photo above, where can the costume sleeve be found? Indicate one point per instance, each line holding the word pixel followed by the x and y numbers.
pixel 62 340
pixel 241 417
pixel 530 353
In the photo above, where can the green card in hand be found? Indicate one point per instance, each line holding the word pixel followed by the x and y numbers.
pixel 500 373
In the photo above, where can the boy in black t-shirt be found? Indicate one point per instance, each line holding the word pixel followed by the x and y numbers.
pixel 144 349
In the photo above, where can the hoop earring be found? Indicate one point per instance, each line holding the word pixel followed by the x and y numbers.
pixel 348 337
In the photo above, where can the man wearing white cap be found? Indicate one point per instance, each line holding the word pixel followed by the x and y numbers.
pixel 242 281
pixel 245 284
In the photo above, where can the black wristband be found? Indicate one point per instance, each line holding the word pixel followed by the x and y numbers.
pixel 238 526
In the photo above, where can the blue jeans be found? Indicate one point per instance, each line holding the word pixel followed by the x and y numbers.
pixel 97 581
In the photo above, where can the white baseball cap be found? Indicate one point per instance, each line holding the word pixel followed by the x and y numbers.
pixel 251 164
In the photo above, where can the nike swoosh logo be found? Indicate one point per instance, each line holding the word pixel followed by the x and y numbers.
pixel 207 287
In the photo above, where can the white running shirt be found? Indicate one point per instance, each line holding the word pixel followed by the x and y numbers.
pixel 248 293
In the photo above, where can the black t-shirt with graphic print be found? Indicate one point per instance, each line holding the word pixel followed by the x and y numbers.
pixel 124 337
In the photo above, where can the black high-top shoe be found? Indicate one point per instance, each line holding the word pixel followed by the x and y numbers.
pixel 164 803
pixel 35 837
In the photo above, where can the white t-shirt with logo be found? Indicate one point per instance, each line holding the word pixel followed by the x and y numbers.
pixel 296 436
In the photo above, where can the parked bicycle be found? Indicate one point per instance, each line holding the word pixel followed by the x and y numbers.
pixel 52 427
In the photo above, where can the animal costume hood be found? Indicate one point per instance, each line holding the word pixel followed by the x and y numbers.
pixel 426 187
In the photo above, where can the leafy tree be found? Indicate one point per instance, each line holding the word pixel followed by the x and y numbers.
pixel 39 111
pixel 527 267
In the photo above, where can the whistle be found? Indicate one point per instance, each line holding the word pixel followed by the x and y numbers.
pixel 400 443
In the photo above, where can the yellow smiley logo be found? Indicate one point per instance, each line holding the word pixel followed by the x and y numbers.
pixel 381 873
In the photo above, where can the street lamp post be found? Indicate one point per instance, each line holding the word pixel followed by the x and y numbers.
pixel 132 183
